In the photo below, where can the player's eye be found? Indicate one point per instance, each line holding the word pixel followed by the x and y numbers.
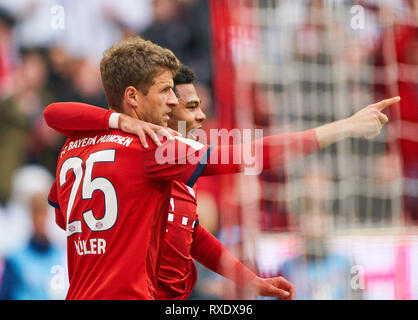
pixel 192 106
pixel 167 89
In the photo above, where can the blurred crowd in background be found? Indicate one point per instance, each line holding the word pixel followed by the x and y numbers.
pixel 50 51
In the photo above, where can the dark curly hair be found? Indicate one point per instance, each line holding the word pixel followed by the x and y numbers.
pixel 185 75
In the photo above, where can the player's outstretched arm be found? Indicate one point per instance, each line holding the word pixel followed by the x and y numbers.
pixel 186 160
pixel 280 149
pixel 365 123
pixel 69 118
pixel 211 253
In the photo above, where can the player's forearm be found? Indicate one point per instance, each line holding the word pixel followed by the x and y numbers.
pixel 212 254
pixel 204 248
pixel 70 117
pixel 233 269
pixel 333 132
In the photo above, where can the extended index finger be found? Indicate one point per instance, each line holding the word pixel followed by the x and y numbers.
pixel 386 103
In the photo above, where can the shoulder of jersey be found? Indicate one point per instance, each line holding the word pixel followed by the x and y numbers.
pixel 194 144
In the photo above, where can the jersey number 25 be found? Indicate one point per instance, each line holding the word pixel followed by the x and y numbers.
pixel 88 187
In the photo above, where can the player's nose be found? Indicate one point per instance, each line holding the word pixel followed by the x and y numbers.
pixel 200 115
pixel 172 100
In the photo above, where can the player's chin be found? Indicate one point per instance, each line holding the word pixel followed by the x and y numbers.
pixel 194 133
pixel 164 123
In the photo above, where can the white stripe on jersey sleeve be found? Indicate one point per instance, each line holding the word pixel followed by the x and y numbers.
pixel 194 144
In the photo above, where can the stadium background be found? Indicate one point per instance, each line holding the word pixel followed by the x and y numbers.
pixel 275 65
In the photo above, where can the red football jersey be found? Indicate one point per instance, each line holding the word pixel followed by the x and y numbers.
pixel 178 274
pixel 112 197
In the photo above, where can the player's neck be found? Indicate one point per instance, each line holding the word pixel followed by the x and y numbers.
pixel 131 112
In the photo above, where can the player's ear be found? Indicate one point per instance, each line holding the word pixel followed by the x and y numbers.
pixel 132 97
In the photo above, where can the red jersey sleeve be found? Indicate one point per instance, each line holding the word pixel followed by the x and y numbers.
pixel 266 153
pixel 53 201
pixel 72 117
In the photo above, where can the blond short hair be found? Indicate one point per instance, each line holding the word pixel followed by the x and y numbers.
pixel 133 62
